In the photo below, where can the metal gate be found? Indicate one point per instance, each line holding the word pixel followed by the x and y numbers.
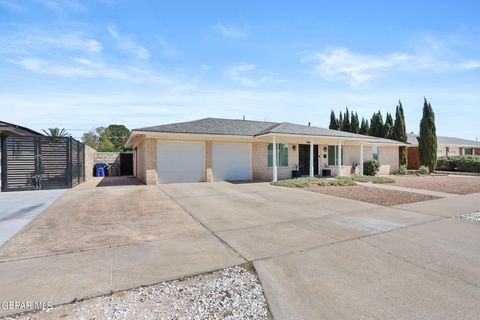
pixel 41 163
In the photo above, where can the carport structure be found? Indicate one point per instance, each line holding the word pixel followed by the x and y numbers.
pixel 214 149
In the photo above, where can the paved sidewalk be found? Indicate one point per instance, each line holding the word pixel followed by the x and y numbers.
pixel 421 191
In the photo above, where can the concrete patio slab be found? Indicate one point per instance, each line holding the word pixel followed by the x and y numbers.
pixel 148 263
pixel 445 207
pixel 448 246
pixel 352 280
pixel 18 208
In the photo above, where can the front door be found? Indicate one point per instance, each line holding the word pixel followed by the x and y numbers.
pixel 304 159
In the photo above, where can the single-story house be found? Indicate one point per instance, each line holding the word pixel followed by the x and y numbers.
pixel 447 146
pixel 213 149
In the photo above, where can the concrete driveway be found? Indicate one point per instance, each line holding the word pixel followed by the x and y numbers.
pixel 18 208
pixel 322 257
pixel 317 256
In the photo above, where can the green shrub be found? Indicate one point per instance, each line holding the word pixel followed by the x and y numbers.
pixel 423 170
pixel 459 163
pixel 402 170
pixel 371 167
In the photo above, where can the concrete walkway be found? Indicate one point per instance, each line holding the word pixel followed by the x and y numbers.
pixel 317 256
pixel 397 188
pixel 18 208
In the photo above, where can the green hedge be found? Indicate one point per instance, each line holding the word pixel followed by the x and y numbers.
pixel 459 163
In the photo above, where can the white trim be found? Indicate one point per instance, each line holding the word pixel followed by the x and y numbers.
pixel 367 140
pixel 274 160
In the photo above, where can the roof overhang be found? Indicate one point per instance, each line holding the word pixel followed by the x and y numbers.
pixel 137 136
pixel 299 138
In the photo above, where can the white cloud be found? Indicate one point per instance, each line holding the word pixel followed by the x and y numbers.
pixel 231 31
pixel 79 67
pixel 60 6
pixel 247 74
pixel 335 64
pixel 47 42
pixel 341 64
pixel 126 42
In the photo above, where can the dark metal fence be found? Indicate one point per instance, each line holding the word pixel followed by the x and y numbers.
pixel 41 163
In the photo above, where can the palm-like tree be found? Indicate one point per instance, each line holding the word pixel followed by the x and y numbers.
pixel 56 132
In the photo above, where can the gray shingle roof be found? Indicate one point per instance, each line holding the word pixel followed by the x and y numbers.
pixel 214 126
pixel 442 140
pixel 253 128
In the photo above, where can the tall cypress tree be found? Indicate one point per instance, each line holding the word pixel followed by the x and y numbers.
pixel 355 125
pixel 376 125
pixel 427 140
pixel 400 132
pixel 346 121
pixel 340 121
pixel 388 128
pixel 364 127
pixel 333 121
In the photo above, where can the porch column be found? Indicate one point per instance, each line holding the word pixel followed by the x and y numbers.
pixel 274 159
pixel 339 158
pixel 361 159
pixel 311 159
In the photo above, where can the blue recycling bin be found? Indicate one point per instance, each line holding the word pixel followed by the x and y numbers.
pixel 100 169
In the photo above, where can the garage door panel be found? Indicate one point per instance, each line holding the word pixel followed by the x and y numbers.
pixel 231 161
pixel 180 161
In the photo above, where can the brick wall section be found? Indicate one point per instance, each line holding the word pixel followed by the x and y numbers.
pixel 147 161
pixel 389 160
pixel 260 168
pixel 89 162
pixel 108 157
pixel 208 161
pixel 477 151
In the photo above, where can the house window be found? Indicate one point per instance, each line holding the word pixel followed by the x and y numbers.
pixel 282 154
pixel 333 155
pixel 375 152
pixel 469 151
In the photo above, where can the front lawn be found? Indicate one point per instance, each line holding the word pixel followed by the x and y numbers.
pixel 329 182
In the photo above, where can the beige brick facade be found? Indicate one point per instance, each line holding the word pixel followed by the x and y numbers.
pixel 146 161
pixel 389 160
pixel 260 168
pixel 145 164
pixel 208 161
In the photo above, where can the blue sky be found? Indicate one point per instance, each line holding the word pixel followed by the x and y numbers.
pixel 81 64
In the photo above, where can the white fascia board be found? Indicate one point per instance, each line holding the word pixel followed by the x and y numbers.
pixel 365 141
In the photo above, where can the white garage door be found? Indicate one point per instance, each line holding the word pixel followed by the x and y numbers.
pixel 231 161
pixel 179 161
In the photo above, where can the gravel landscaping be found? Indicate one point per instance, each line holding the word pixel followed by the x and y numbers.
pixel 448 184
pixel 373 195
pixel 233 293
pixel 473 217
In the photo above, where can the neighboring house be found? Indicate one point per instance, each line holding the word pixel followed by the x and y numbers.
pixel 447 146
pixel 214 149
pixel 10 129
